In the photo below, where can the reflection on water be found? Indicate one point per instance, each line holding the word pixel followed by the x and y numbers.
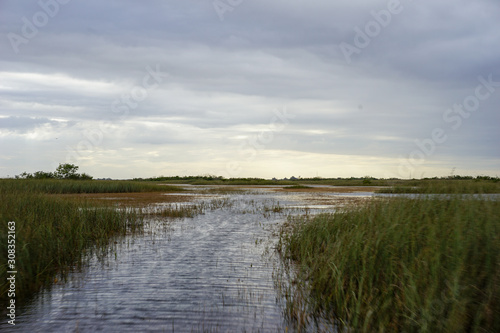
pixel 212 272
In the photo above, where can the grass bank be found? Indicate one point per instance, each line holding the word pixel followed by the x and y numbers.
pixel 52 233
pixel 440 186
pixel 53 186
pixel 399 265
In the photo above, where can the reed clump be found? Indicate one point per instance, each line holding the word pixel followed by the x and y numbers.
pixel 52 234
pixel 174 211
pixel 401 265
pixel 298 187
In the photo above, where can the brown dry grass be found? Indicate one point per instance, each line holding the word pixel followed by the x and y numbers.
pixel 129 199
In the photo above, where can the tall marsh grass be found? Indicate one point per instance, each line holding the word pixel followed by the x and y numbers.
pixel 400 265
pixel 54 186
pixel 458 186
pixel 52 234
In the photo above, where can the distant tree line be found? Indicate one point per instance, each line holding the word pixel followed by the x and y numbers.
pixel 458 177
pixel 206 177
pixel 63 171
pixel 364 180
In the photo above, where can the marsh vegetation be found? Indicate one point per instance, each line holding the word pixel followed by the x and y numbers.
pixel 397 265
pixel 53 232
pixel 426 263
pixel 465 184
pixel 449 186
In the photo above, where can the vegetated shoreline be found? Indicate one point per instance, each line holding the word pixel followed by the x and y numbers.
pixel 55 227
pixel 439 186
pixel 407 184
pixel 414 265
pixel 53 232
pixel 68 186
pixel 452 184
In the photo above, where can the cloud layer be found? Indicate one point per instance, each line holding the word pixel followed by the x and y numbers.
pixel 137 89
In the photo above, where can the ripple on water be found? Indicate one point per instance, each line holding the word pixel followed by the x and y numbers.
pixel 206 272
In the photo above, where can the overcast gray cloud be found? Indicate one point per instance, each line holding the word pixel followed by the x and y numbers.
pixel 250 88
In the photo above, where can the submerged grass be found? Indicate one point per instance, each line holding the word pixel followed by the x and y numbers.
pixel 190 210
pixel 298 187
pixel 174 211
pixel 411 265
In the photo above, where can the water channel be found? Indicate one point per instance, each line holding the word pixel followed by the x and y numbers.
pixel 213 272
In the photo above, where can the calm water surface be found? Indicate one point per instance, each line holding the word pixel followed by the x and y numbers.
pixel 213 272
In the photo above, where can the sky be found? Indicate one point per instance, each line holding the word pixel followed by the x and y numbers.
pixel 240 88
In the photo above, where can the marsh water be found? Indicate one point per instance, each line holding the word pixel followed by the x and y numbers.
pixel 214 272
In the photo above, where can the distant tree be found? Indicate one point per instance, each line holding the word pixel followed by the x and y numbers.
pixel 84 176
pixel 43 175
pixel 67 171
pixel 24 175
pixel 63 171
